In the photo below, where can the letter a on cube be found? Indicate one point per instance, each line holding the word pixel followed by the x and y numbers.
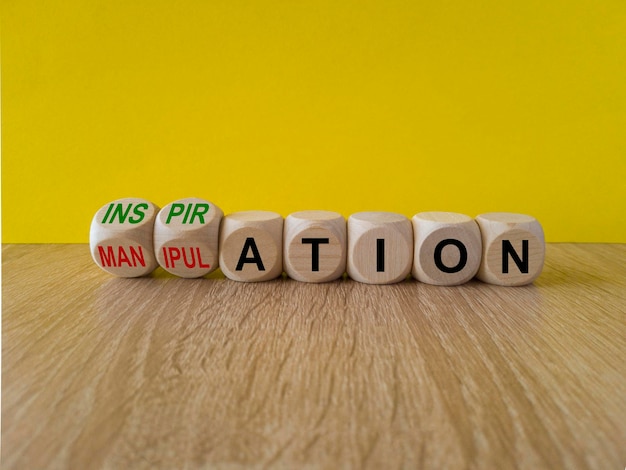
pixel 251 246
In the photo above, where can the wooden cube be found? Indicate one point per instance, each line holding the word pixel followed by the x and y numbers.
pixel 120 238
pixel 380 247
pixel 513 248
pixel 448 248
pixel 314 246
pixel 251 246
pixel 186 234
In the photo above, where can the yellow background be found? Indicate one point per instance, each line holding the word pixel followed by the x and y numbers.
pixel 287 105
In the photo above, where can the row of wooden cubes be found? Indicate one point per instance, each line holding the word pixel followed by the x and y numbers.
pixel 191 237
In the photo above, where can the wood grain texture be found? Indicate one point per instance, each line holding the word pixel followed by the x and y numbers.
pixel 161 372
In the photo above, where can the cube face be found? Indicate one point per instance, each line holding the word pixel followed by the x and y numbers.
pixel 251 246
pixel 513 248
pixel 448 248
pixel 314 248
pixel 186 234
pixel 120 237
pixel 380 247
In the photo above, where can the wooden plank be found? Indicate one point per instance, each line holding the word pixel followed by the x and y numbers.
pixel 163 372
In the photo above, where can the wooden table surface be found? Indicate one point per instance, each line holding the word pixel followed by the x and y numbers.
pixel 160 372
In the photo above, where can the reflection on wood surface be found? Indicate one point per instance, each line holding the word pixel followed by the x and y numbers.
pixel 173 373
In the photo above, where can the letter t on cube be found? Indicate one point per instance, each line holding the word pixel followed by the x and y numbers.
pixel 314 246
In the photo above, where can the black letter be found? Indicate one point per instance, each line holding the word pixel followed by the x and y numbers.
pixel 507 249
pixel 380 255
pixel 256 258
pixel 315 250
pixel 462 258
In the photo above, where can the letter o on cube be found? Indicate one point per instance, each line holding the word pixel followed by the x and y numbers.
pixel 447 248
pixel 380 247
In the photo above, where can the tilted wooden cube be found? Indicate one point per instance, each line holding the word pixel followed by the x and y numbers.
pixel 448 248
pixel 314 246
pixel 186 235
pixel 120 237
pixel 380 247
pixel 251 246
pixel 513 248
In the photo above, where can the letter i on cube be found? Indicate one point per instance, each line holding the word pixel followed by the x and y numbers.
pixel 186 236
pixel 380 247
